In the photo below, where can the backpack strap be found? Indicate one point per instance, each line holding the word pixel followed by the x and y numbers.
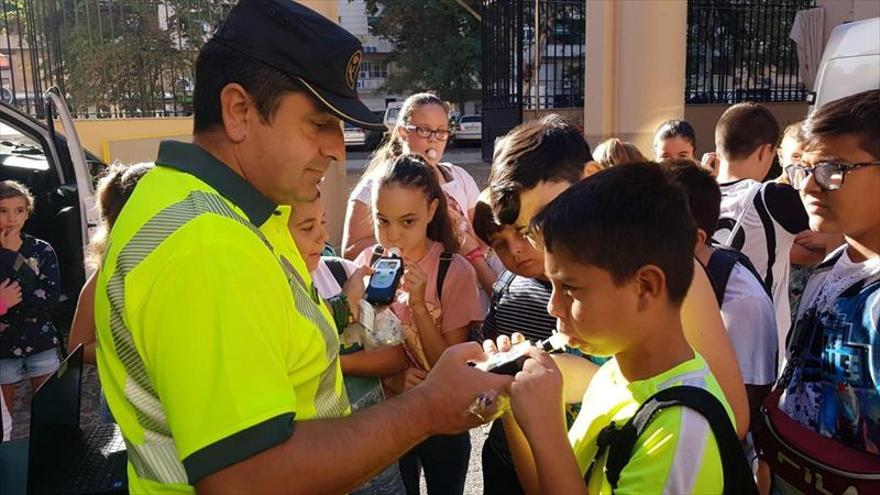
pixel 720 267
pixel 742 214
pixel 337 269
pixel 442 269
pixel 620 442
pixel 501 285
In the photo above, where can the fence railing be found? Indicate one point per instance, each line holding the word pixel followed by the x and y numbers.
pixel 110 58
pixel 533 54
pixel 553 69
pixel 740 50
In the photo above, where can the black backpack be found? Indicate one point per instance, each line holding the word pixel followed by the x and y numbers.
pixel 338 269
pixel 720 265
pixel 619 442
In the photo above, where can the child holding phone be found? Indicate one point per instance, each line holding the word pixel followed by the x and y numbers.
pixel 437 301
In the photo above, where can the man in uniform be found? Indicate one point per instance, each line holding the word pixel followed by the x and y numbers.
pixel 218 363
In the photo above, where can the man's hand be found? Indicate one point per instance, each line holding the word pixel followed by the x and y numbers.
pixel 453 385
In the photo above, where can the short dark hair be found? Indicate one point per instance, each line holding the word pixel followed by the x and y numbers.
pixel 218 65
pixel 484 222
pixel 701 189
pixel 547 150
pixel 744 127
pixel 621 219
pixel 676 128
pixel 858 115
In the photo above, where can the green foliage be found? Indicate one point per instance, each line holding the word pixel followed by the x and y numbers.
pixel 130 56
pixel 437 46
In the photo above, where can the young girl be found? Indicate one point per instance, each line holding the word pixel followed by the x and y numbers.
pixel 410 213
pixel 113 191
pixel 675 139
pixel 423 128
pixel 28 338
pixel 340 283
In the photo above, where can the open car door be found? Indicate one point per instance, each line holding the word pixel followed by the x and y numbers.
pixel 81 227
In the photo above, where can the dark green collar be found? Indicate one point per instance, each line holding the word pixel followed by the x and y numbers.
pixel 194 160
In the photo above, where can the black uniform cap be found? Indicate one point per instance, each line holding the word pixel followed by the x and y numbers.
pixel 317 53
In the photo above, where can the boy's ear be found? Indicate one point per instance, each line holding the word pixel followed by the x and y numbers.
pixel 591 168
pixel 766 152
pixel 651 284
pixel 701 238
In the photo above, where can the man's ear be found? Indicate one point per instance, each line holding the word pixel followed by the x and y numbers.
pixel 236 109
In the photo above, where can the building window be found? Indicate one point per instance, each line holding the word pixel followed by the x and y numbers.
pixel 371 69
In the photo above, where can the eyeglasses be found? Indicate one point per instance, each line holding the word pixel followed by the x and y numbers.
pixel 829 175
pixel 424 132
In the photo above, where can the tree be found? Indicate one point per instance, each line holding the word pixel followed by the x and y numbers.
pixel 130 57
pixel 437 46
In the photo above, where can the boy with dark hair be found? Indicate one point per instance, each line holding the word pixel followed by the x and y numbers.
pixel 746 307
pixel 536 162
pixel 825 410
pixel 759 219
pixel 618 253
pixel 519 304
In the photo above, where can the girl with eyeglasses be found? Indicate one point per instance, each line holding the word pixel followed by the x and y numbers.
pixel 423 128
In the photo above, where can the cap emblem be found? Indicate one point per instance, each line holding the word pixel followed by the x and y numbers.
pixel 351 71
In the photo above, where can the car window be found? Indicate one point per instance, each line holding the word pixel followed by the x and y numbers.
pixel 392 113
pixel 20 150
pixel 470 119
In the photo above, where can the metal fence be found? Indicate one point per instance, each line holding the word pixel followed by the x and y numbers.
pixel 553 71
pixel 110 58
pixel 740 50
pixel 533 59
pixel 538 71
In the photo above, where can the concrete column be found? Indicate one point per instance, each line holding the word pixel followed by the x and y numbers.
pixel 334 188
pixel 635 66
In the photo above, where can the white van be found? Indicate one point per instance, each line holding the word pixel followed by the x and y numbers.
pixel 850 63
pixel 391 113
